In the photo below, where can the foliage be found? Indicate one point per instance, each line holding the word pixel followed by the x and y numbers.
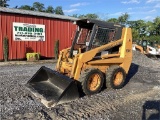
pixel 123 18
pixel 56 49
pixel 153 38
pixel 157 25
pixel 58 10
pixel 37 6
pixel 146 30
pixel 89 16
pixel 5 48
pixel 151 28
pixel 135 34
pixel 3 3
pixel 75 15
pixel 112 20
pixel 26 7
pixel 49 9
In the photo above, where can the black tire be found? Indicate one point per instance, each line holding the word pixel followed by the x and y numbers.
pixel 86 81
pixel 111 75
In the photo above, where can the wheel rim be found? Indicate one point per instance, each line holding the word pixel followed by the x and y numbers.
pixel 94 82
pixel 118 78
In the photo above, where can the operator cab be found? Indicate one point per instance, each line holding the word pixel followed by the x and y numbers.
pixel 93 33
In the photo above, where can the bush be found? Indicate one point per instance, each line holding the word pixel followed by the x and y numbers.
pixel 56 49
pixel 5 48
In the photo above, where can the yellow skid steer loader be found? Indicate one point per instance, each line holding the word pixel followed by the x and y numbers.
pixel 100 55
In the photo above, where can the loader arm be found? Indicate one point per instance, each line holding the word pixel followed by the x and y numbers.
pixel 89 55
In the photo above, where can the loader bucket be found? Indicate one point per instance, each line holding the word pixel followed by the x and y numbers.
pixel 52 88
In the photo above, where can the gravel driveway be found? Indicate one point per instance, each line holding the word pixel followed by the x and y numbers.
pixel 138 100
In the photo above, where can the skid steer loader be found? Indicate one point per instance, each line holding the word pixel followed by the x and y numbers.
pixel 100 55
pixel 150 49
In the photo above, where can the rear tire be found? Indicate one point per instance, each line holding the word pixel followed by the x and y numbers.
pixel 115 77
pixel 91 81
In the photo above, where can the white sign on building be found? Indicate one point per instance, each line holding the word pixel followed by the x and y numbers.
pixel 28 32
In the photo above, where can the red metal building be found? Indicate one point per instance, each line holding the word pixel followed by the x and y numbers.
pixel 56 27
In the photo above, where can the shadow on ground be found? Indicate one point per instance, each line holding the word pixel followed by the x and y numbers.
pixel 151 110
pixel 132 71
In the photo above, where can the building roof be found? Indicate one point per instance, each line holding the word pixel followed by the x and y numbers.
pixel 35 13
pixel 91 22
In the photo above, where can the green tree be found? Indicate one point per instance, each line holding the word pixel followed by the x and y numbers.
pixel 3 3
pixel 150 28
pixel 153 38
pixel 123 19
pixel 153 30
pixel 50 9
pixel 38 6
pixel 58 10
pixel 156 22
pixel 112 20
pixel 92 16
pixel 82 16
pixel 26 7
pixel 135 34
pixel 87 16
pixel 131 24
pixel 75 15
pixel 139 26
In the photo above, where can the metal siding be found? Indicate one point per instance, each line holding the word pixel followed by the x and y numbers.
pixel 1 47
pixel 52 38
pixel 3 32
pixel 48 37
pixel 55 29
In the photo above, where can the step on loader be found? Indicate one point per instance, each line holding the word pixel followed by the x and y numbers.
pixel 100 56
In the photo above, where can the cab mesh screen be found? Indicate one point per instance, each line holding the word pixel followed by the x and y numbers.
pixel 103 36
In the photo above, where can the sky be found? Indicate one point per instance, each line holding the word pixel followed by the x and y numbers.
pixel 137 9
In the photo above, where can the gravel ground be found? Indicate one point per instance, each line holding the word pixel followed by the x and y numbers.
pixel 138 100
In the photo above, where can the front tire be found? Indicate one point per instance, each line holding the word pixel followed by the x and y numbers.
pixel 91 81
